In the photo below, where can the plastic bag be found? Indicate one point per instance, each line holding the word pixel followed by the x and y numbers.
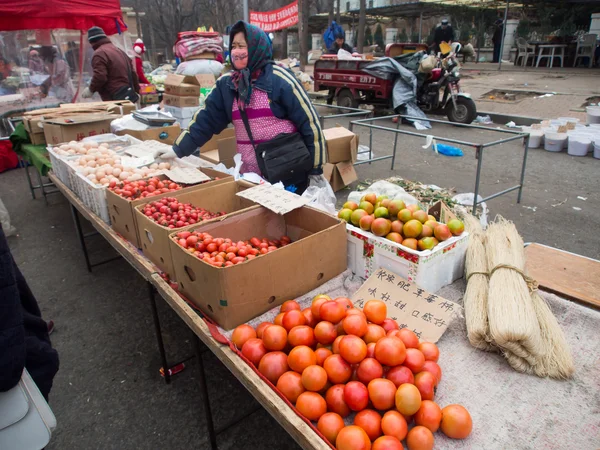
pixel 382 187
pixel 320 194
pixel 8 229
pixel 235 171
pixel 363 153
pixel 200 67
pixel 110 138
pixel 344 55
pixel 467 200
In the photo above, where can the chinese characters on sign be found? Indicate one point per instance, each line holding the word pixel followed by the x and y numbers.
pixel 277 200
pixel 277 19
pixel 428 315
pixel 186 175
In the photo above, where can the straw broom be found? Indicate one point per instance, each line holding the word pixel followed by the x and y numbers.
pixel 512 317
pixel 476 295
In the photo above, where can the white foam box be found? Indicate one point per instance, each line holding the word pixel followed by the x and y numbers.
pixel 430 269
pixel 181 113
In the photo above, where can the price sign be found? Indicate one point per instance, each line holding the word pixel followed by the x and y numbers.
pixel 132 163
pixel 277 200
pixel 186 175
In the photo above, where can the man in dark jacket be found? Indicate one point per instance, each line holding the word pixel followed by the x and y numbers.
pixel 497 38
pixel 24 341
pixel 339 44
pixel 443 33
pixel 113 69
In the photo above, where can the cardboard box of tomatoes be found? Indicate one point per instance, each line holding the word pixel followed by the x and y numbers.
pixel 121 207
pixel 313 253
pixel 205 202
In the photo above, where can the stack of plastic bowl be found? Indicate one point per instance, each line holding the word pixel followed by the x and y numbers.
pixel 554 141
pixel 536 137
pixel 593 114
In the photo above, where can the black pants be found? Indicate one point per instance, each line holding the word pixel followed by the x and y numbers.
pixel 497 52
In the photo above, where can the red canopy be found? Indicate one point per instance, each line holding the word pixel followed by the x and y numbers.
pixel 61 14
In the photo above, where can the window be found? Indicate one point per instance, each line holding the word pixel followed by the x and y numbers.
pixel 370 3
pixel 347 6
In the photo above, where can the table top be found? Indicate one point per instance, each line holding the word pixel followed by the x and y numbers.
pixel 268 398
pixel 552 45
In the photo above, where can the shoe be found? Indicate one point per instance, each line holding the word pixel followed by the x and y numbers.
pixel 50 327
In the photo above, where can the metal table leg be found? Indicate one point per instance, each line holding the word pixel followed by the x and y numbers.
pixel 212 434
pixel 370 143
pixel 81 237
pixel 159 339
pixel 395 144
pixel 525 152
pixel 28 176
pixel 479 157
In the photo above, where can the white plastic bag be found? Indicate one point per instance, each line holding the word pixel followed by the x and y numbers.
pixel 320 194
pixel 8 229
pixel 345 55
pixel 199 67
pixel 382 187
pixel 235 171
pixel 467 200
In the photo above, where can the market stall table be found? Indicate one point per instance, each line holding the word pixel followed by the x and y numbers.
pixel 552 53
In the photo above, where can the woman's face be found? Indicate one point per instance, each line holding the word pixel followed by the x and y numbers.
pixel 239 41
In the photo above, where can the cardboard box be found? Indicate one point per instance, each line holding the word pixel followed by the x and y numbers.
pixel 221 148
pixel 342 145
pixel 121 210
pixel 188 85
pixel 181 101
pixel 120 107
pixel 37 138
pixel 166 135
pixel 181 113
pixel 430 269
pixel 441 212
pixel 75 128
pixel 149 98
pixel 215 197
pixel 339 175
pixel 234 295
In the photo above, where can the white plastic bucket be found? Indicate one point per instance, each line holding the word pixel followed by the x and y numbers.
pixel 597 149
pixel 535 137
pixel 593 114
pixel 554 142
pixel 569 119
pixel 579 145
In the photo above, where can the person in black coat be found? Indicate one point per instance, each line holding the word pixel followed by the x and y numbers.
pixel 339 44
pixel 24 340
pixel 497 38
pixel 443 33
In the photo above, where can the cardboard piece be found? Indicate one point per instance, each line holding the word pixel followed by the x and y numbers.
pixel 181 101
pixel 562 129
pixel 221 148
pixel 75 128
pixel 121 210
pixel 135 162
pixel 120 107
pixel 234 295
pixel 277 200
pixel 339 175
pixel 166 135
pixel 215 197
pixel 146 148
pixel 441 212
pixel 342 144
pixel 37 138
pixel 186 175
pixel 147 99
pixel 426 314
pixel 182 85
pixel 571 125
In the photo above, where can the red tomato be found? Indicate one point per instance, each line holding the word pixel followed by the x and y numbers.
pixel 370 421
pixel 374 333
pixel 356 395
pixel 273 365
pixel 335 400
pixel 241 334
pixel 290 385
pixel 430 350
pixel 400 375
pixel 293 318
pixel 419 438
pixel 433 368
pixel 345 302
pixel 387 443
pixel 369 369
pixel 332 312
pixel 376 311
pixel 301 335
pixel 429 415
pixel 288 305
pixel 314 378
pixel 355 324
pixel 338 370
pixel 352 438
pixel 382 393
pixel 254 350
pixel 394 424
pixel 414 360
pixel 330 424
pixel 300 358
pixel 322 354
pixel 274 337
pixel 390 351
pixel 409 338
pixel 456 422
pixel 325 332
pixel 389 324
pixel 311 405
pixel 352 348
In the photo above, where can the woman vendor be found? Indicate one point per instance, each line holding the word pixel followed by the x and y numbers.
pixel 271 99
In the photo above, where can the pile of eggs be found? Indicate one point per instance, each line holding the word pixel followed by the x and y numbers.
pixel 74 148
pixel 101 165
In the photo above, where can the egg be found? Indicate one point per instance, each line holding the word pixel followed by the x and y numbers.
pixel 135 177
pixel 124 175
pixel 92 177
pixel 162 166
pixel 95 144
pixel 154 166
pixel 100 173
pixel 104 181
pixel 116 172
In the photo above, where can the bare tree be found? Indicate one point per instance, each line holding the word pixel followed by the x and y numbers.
pixel 362 22
pixel 303 6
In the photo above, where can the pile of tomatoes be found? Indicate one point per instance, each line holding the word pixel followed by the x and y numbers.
pixel 223 252
pixel 169 213
pixel 132 190
pixel 332 359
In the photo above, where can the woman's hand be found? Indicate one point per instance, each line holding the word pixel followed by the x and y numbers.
pixel 165 153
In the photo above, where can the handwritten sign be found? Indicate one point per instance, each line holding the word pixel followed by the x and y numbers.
pixel 130 162
pixel 186 175
pixel 277 200
pixel 428 315
pixel 146 148
pixel 562 129
pixel 571 125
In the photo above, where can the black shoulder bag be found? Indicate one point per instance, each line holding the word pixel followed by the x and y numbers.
pixel 284 158
pixel 127 92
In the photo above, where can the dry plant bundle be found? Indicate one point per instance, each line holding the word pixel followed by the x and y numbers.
pixel 511 314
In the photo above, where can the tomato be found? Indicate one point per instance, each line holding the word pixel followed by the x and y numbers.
pixel 370 421
pixel 335 347
pixel 356 395
pixel 355 325
pixel 314 378
pixel 352 348
pixel 275 337
pixel 389 325
pixel 376 311
pixel 241 334
pixel 414 360
pixel 339 328
pixel 390 351
pixel 369 369
pixel 301 357
pixel 382 393
pixel 429 415
pixel 279 319
pixel 352 438
pixel 261 328
pixel 330 424
pixel 371 350
pixel 288 305
pixel 254 350
pixel 325 332
pixel 338 370
pixel 456 422
pixel 316 305
pixel 335 400
pixel 430 350
pixel 425 383
pixel 301 335
pixel 400 375
pixel 355 311
pixel 409 338
pixel 419 438
pixel 374 333
pixel 293 318
pixel 255 242
pixel 434 369
pixel 408 399
pixel 322 354
pixel 387 443
pixel 345 302
pixel 394 424
pixel 290 385
pixel 310 320
pixel 273 365
pixel 332 312
pixel 311 405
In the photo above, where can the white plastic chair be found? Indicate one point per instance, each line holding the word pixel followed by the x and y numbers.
pixel 586 48
pixel 526 51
